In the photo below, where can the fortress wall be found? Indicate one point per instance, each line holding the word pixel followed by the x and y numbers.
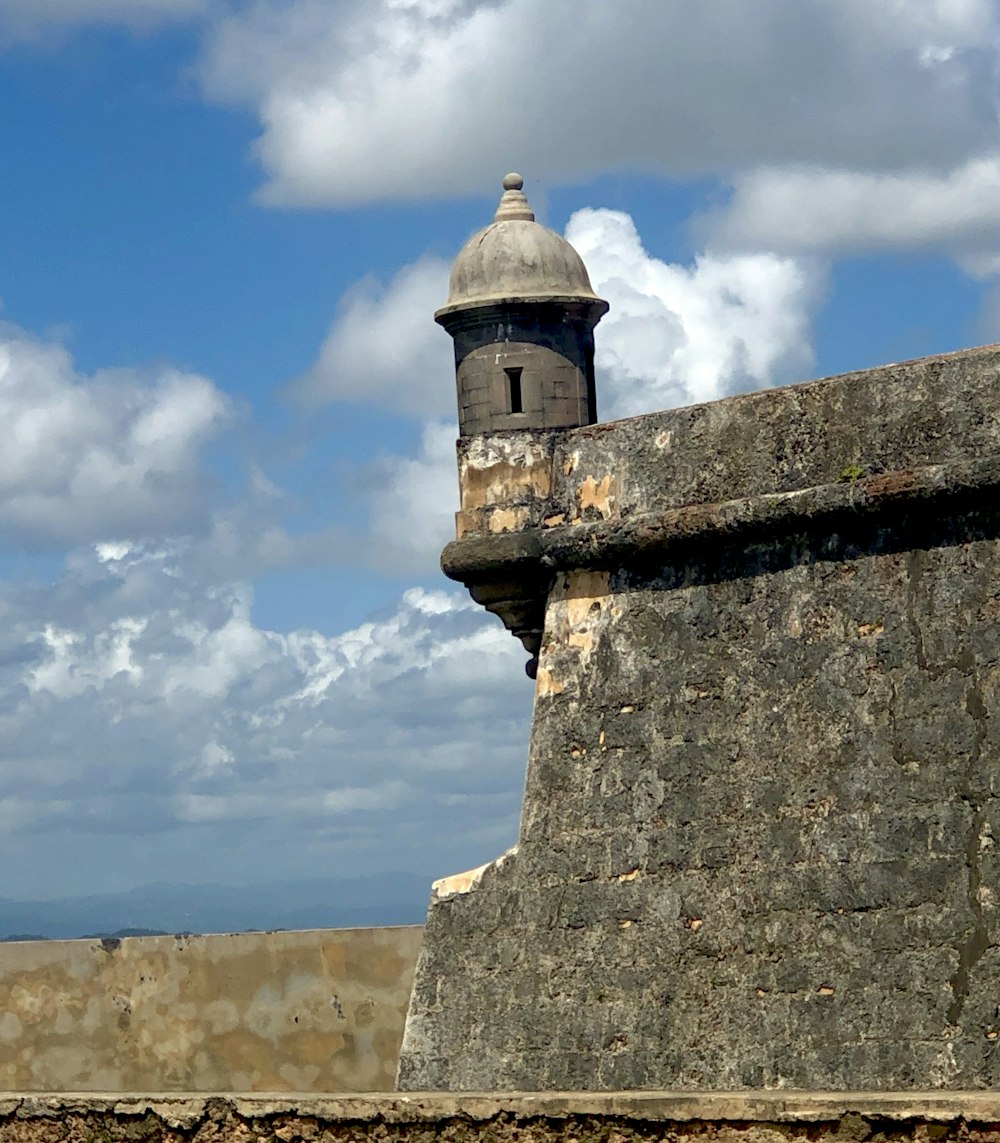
pixel 318 1010
pixel 759 844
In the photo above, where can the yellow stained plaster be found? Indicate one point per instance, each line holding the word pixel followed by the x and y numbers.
pixel 599 495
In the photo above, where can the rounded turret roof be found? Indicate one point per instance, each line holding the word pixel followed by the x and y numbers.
pixel 515 258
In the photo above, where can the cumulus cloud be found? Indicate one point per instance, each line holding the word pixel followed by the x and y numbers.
pixel 135 694
pixel 679 334
pixel 819 209
pixel 414 503
pixel 839 127
pixel 87 458
pixel 707 89
pixel 384 349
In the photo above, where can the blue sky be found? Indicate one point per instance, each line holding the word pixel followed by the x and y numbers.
pixel 227 652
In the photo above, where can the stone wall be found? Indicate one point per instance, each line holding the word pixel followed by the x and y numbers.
pixel 637 1117
pixel 320 1010
pixel 759 840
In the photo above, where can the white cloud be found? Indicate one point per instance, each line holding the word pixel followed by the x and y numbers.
pixel 214 759
pixel 819 209
pixel 25 18
pixel 679 334
pixel 385 99
pixel 840 127
pixel 117 454
pixel 414 503
pixel 127 697
pixel 384 349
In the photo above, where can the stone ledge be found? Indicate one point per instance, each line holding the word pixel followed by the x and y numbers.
pixel 621 542
pixel 183 1110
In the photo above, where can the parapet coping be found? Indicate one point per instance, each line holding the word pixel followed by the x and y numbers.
pixel 618 542
pixel 180 1109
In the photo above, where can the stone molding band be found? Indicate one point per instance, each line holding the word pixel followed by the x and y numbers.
pixel 510 573
pixel 184 1111
pixel 615 543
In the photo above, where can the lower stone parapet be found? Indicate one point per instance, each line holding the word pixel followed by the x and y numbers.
pixel 315 1010
pixel 566 1117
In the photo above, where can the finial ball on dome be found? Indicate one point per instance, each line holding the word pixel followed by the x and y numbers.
pixel 513 181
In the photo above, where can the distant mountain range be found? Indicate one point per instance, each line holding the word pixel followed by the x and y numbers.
pixel 329 903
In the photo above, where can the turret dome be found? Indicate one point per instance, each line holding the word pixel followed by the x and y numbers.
pixel 515 259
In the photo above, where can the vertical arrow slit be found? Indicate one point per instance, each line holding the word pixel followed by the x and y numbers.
pixel 515 401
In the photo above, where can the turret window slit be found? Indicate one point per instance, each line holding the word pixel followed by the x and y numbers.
pixel 515 401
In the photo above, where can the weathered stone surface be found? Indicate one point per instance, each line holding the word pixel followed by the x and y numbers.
pixel 552 347
pixel 642 1117
pixel 936 410
pixel 759 839
pixel 318 1010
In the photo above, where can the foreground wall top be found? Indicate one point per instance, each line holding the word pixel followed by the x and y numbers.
pixel 849 428
pixel 619 1117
